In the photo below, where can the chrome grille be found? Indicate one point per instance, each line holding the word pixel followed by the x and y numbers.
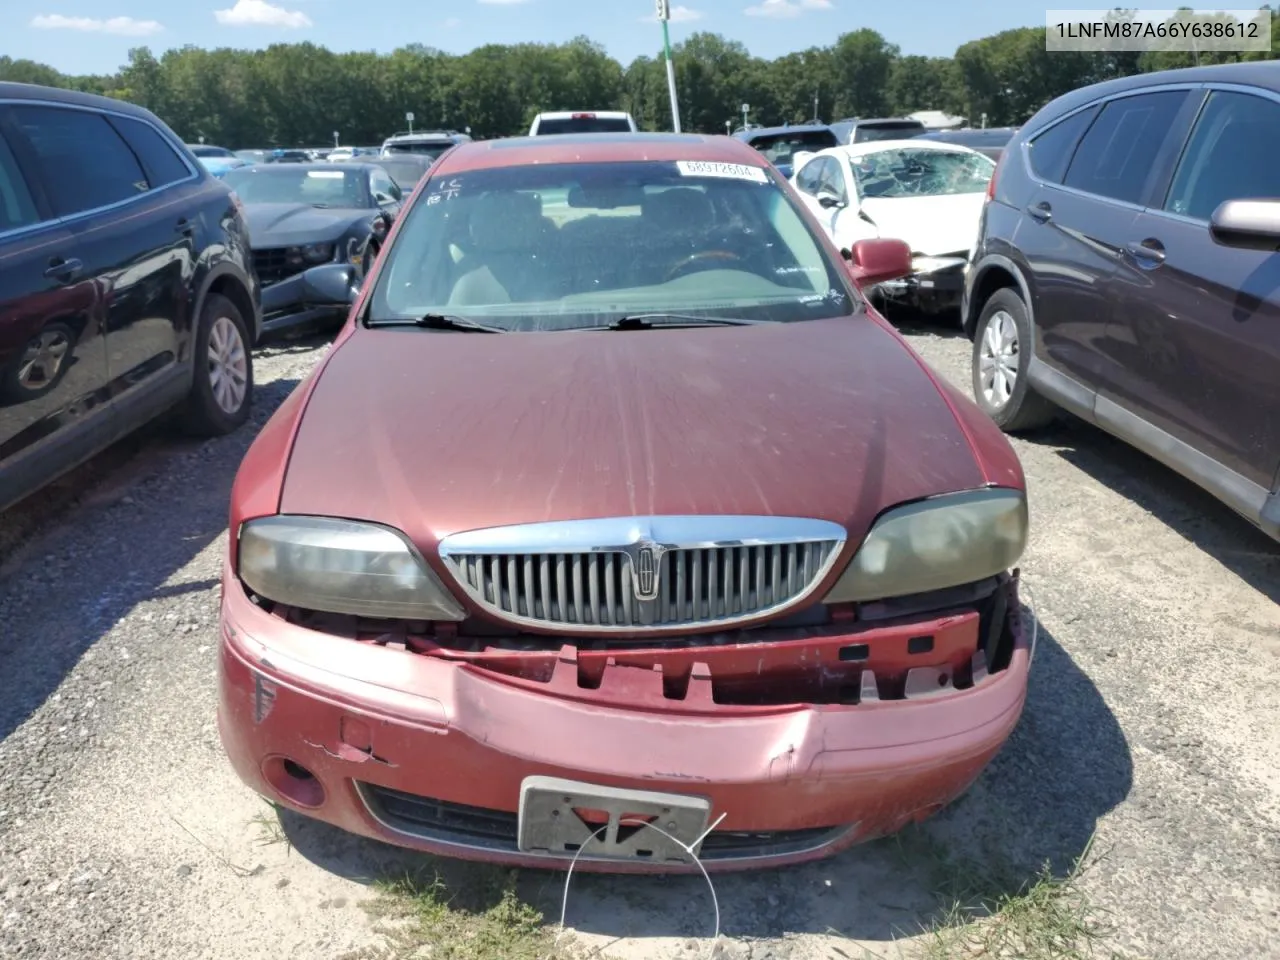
pixel 643 572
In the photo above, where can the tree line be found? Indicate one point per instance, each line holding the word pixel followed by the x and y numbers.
pixel 299 94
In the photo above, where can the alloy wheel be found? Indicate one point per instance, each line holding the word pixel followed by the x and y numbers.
pixel 998 360
pixel 228 365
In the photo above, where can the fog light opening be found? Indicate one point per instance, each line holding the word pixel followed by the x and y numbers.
pixel 294 782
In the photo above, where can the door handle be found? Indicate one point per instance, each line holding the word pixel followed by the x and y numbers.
pixel 185 227
pixel 64 270
pixel 1148 251
pixel 1040 212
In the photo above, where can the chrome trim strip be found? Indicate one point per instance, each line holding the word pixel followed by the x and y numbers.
pixel 833 836
pixel 617 534
pixel 640 540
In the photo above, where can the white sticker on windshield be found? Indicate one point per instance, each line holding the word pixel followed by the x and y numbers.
pixel 326 174
pixel 732 171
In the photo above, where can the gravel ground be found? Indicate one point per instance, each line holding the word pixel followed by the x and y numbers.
pixel 1153 719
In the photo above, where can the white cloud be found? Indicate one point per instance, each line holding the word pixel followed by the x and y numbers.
pixel 259 13
pixel 678 15
pixel 787 9
pixel 120 26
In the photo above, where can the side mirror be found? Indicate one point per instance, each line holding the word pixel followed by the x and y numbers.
pixel 1248 224
pixel 828 200
pixel 878 261
pixel 333 284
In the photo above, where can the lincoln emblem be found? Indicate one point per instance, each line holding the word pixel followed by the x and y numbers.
pixel 644 569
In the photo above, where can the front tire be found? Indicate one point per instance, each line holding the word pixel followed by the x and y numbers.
pixel 222 389
pixel 1002 348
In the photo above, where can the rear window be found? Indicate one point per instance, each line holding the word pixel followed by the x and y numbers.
pixel 430 150
pixel 584 124
pixel 867 132
pixel 781 148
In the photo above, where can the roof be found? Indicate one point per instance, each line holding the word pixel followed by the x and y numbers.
pixel 598 148
pixel 853 150
pixel 749 135
pixel 31 91
pixel 352 166
pixel 1258 73
pixel 570 114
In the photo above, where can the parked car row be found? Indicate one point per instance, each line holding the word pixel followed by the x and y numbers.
pixel 780 595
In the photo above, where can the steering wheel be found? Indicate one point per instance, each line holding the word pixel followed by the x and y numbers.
pixel 699 257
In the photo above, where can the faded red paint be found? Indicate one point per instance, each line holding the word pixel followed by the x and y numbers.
pixel 470 735
pixel 438 433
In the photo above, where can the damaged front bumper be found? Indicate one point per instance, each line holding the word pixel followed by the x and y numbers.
pixel 935 284
pixel 791 749
pixel 285 307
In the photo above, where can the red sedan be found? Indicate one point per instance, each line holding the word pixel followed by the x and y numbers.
pixel 616 525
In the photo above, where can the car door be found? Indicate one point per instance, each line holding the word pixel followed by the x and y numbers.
pixel 53 360
pixel 1089 188
pixel 847 223
pixel 134 228
pixel 1200 328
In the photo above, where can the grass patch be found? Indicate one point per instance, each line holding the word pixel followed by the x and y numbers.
pixel 987 915
pixel 482 917
pixel 270 831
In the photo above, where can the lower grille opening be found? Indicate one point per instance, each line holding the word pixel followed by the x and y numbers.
pixel 443 821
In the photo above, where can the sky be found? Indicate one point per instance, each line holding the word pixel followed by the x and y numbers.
pixel 94 36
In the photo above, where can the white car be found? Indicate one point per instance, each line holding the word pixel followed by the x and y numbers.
pixel 926 193
pixel 341 154
pixel 577 121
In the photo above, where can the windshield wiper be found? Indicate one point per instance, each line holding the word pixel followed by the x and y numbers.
pixel 441 321
pixel 647 321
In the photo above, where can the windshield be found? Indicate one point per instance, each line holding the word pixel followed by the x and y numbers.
pixel 921 173
pixel 320 188
pixel 563 246
pixel 200 150
pixel 868 133
pixel 781 148
pixel 583 125
pixel 429 150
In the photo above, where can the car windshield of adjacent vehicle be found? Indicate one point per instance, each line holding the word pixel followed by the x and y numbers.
pixel 905 172
pixel 586 123
pixel 870 132
pixel 203 150
pixel 429 149
pixel 781 148
pixel 572 246
pixel 319 188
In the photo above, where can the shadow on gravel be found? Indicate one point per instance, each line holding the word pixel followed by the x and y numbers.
pixel 1066 765
pixel 150 504
pixel 1175 501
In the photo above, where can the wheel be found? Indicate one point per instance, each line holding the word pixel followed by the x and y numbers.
pixel 1002 348
pixel 222 390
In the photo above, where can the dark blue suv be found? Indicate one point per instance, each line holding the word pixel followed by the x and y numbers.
pixel 1127 270
pixel 126 284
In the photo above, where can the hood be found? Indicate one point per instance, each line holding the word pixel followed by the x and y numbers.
pixel 289 224
pixel 439 432
pixel 930 225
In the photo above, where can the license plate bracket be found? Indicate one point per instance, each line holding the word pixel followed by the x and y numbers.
pixel 551 821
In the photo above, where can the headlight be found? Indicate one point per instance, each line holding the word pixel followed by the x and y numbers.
pixel 341 566
pixel 942 542
pixel 318 252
